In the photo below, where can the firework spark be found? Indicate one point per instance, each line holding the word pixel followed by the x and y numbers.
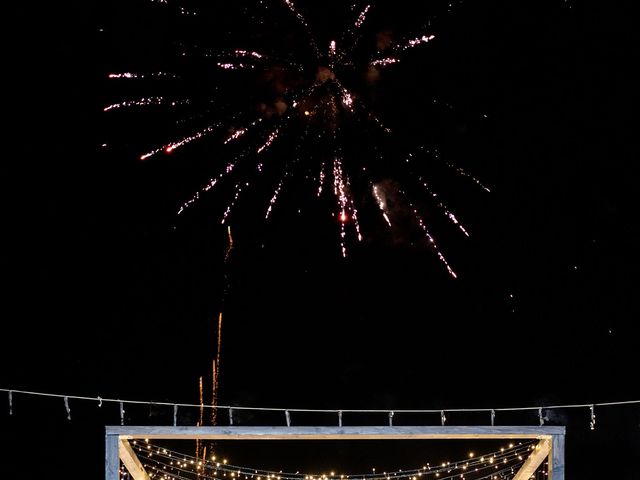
pixel 362 17
pixel 143 102
pixel 170 147
pixel 381 204
pixel 431 240
pixel 133 75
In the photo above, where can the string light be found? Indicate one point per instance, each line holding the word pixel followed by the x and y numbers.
pixel 592 422
pixel 66 406
pixel 512 456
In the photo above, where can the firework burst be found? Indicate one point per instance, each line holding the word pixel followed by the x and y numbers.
pixel 303 109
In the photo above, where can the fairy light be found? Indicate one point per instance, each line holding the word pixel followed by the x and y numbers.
pixel 448 468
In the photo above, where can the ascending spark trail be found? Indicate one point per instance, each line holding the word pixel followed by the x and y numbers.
pixel 381 204
pixel 216 362
pixel 238 190
pixel 143 102
pixel 227 255
pixel 170 147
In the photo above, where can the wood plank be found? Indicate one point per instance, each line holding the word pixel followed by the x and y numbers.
pixel 556 458
pixel 131 461
pixel 336 433
pixel 111 457
pixel 532 463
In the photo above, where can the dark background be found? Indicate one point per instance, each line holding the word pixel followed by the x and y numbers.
pixel 107 293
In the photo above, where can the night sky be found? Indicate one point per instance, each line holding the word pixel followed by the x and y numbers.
pixel 108 292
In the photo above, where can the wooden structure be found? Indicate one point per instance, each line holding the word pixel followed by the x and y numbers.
pixel 550 441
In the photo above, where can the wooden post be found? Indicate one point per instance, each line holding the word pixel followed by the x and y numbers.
pixel 111 457
pixel 556 458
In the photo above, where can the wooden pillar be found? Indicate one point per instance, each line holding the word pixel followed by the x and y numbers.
pixel 112 457
pixel 556 458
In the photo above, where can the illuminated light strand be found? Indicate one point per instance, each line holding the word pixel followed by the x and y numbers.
pixel 432 241
pixel 170 147
pixel 484 461
pixel 134 75
pixel 143 102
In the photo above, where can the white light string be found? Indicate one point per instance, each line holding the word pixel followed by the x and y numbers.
pixel 338 412
pixel 487 460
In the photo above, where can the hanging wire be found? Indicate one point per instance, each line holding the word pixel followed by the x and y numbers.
pixel 311 410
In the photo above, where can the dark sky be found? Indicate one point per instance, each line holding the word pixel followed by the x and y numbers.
pixel 106 292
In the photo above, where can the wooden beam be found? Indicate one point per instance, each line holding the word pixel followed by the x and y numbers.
pixel 336 433
pixel 556 458
pixel 531 464
pixel 111 459
pixel 131 461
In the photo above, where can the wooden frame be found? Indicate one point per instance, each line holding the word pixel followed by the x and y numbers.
pixel 551 441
